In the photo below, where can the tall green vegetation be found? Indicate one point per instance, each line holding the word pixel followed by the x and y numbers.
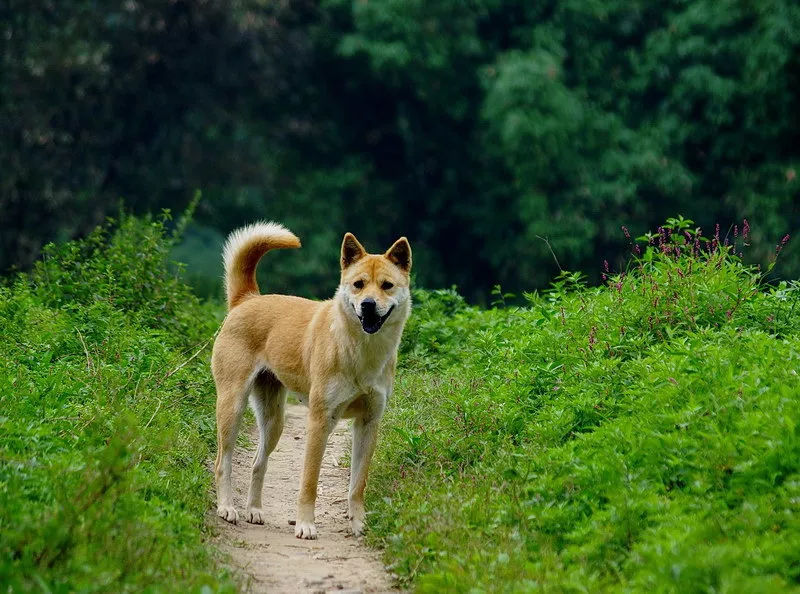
pixel 639 436
pixel 107 420
pixel 474 128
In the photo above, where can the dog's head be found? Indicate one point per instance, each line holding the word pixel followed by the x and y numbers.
pixel 375 287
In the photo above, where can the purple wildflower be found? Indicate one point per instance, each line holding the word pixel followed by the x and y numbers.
pixel 783 242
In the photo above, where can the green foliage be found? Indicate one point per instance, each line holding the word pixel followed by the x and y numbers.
pixel 642 435
pixel 107 420
pixel 562 120
pixel 474 128
pixel 142 100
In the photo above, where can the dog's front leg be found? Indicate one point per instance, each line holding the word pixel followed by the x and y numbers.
pixel 365 436
pixel 320 425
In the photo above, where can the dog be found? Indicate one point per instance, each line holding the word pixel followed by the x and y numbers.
pixel 338 356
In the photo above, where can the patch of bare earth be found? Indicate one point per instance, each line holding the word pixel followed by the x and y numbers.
pixel 269 554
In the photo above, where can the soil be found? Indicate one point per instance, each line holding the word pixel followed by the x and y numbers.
pixel 269 554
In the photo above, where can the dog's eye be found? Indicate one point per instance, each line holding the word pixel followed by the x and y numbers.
pixel 386 285
pixel 359 284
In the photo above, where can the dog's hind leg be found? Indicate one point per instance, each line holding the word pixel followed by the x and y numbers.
pixel 268 399
pixel 232 390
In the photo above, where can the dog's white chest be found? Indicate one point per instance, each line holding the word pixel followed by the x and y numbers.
pixel 370 372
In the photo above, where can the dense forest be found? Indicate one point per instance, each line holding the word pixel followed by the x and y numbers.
pixel 478 129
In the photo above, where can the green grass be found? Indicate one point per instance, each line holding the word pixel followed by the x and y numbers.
pixel 640 436
pixel 106 421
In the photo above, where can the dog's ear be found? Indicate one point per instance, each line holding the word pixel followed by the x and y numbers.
pixel 352 251
pixel 400 254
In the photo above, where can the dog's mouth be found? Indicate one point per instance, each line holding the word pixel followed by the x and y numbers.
pixel 371 322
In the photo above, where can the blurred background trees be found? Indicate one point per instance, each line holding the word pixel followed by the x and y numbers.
pixel 474 128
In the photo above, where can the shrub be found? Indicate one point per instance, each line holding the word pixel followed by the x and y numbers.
pixel 644 434
pixel 107 420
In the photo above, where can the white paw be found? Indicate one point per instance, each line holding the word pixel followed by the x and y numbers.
pixel 357 515
pixel 305 530
pixel 254 515
pixel 228 513
pixel 357 525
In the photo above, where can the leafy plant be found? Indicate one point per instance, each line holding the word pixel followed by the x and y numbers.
pixel 640 435
pixel 107 420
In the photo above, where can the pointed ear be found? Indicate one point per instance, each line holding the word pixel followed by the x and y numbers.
pixel 352 251
pixel 400 254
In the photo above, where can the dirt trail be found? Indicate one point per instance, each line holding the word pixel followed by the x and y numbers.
pixel 274 559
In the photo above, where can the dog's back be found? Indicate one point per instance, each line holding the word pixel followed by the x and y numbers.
pixel 269 331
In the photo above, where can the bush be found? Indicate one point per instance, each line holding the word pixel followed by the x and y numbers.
pixel 107 420
pixel 640 435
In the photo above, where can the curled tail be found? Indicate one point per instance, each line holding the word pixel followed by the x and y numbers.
pixel 241 254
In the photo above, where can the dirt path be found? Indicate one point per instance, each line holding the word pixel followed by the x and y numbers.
pixel 274 559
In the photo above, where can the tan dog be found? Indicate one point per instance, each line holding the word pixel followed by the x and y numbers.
pixel 338 355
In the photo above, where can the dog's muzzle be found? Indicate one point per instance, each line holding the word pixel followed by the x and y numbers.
pixel 371 322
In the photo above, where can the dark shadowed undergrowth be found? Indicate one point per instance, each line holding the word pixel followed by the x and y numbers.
pixel 106 420
pixel 641 435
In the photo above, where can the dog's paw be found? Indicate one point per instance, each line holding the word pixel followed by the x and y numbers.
pixel 357 525
pixel 305 530
pixel 228 513
pixel 357 516
pixel 254 515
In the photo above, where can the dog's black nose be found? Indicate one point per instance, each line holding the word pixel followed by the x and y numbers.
pixel 368 306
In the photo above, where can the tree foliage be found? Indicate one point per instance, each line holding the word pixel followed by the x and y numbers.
pixel 475 128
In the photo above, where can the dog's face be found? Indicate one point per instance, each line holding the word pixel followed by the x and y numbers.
pixel 374 286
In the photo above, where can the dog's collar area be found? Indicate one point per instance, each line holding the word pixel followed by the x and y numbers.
pixel 370 324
